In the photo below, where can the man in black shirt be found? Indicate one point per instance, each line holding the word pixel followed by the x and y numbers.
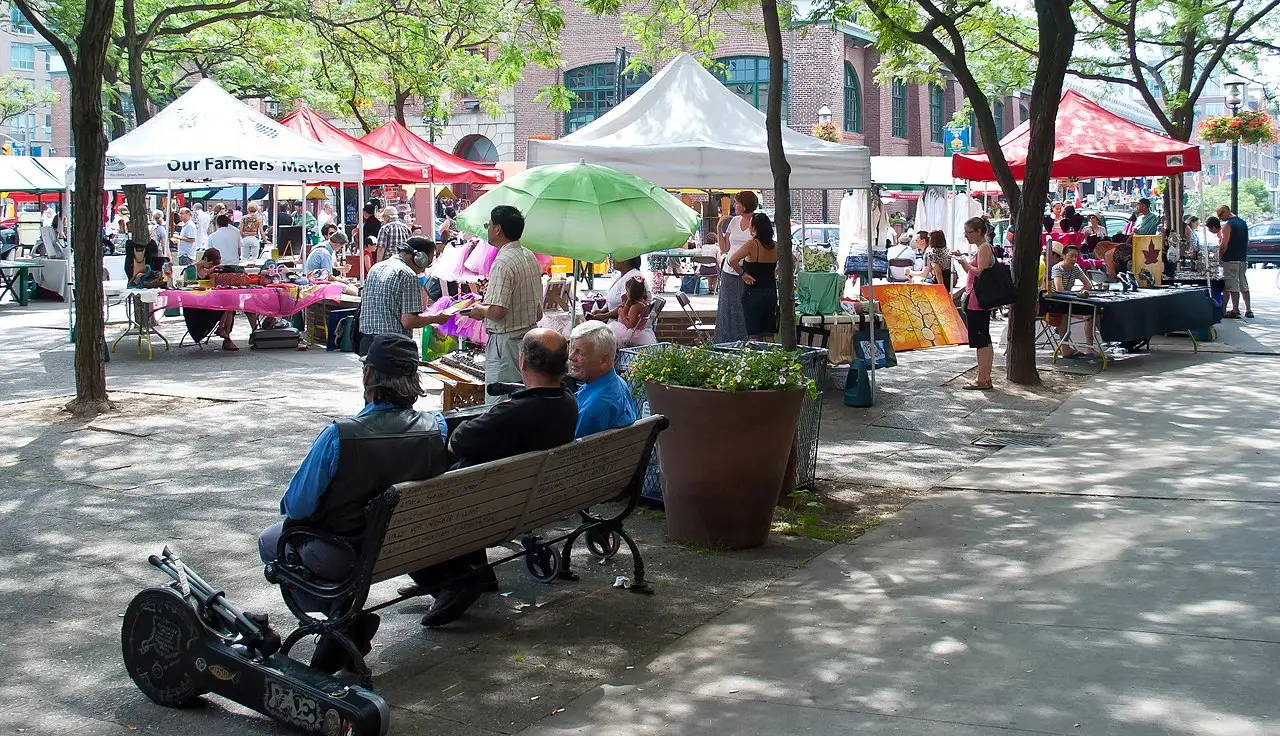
pixel 372 225
pixel 541 416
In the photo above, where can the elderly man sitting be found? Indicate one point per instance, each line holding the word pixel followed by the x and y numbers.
pixel 604 401
pixel 352 461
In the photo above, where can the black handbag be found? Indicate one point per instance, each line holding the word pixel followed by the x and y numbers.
pixel 994 287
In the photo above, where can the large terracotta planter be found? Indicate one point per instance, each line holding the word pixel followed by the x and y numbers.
pixel 723 458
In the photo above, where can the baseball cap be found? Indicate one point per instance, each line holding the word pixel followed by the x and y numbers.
pixel 393 355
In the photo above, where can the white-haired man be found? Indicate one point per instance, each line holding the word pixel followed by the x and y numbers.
pixel 604 401
pixel 393 234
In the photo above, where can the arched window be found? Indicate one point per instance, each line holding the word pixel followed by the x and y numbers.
pixel 596 90
pixel 937 113
pixel 1022 113
pixel 998 113
pixel 478 148
pixel 852 100
pixel 748 78
pixel 899 109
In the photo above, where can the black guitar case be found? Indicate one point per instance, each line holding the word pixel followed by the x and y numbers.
pixel 183 640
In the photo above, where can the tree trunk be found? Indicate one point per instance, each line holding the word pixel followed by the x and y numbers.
pixel 781 180
pixel 402 97
pixel 86 77
pixel 1057 33
pixel 136 194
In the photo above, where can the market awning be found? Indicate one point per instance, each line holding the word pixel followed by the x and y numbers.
pixel 1090 142
pixel 443 168
pixel 380 167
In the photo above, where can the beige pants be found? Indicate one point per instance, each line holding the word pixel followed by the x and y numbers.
pixel 502 360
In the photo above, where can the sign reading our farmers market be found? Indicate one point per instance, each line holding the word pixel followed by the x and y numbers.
pixel 240 164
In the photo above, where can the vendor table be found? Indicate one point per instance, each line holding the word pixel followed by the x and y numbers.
pixel 1134 316
pixel 14 277
pixel 269 301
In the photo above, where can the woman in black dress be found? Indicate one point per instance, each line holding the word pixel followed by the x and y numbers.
pixel 757 259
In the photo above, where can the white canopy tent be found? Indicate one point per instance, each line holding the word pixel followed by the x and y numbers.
pixel 208 136
pixel 33 174
pixel 684 128
pixel 913 171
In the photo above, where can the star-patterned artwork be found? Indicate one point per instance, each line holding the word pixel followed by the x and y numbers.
pixel 920 316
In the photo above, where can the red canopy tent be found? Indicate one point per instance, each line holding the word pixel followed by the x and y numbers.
pixel 444 168
pixel 1090 142
pixel 380 167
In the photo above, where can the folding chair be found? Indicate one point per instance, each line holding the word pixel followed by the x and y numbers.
pixel 899 270
pixel 703 332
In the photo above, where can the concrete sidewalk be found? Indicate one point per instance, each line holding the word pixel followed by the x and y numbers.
pixel 1143 610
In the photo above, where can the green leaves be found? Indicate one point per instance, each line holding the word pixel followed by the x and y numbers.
pixel 19 96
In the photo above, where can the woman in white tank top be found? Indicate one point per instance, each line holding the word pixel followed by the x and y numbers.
pixel 731 323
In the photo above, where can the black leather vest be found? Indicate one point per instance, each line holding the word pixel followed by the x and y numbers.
pixel 376 451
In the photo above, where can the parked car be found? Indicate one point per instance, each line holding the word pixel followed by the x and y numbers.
pixel 817 234
pixel 1264 243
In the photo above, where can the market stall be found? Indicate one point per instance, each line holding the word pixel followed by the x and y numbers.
pixel 442 167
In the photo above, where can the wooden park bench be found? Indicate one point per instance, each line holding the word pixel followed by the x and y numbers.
pixel 413 525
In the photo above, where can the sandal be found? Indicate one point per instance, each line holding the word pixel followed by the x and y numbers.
pixel 1249 314
pixel 975 386
pixel 229 346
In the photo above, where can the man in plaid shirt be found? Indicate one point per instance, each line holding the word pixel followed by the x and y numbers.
pixel 512 300
pixel 391 302
pixel 393 234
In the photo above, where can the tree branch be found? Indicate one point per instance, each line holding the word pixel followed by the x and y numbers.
pixel 63 49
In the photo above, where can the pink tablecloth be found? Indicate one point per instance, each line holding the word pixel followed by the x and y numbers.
pixel 270 301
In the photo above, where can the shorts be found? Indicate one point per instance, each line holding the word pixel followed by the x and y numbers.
pixel 1236 275
pixel 979 325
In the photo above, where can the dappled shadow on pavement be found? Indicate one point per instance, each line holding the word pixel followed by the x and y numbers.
pixel 977 611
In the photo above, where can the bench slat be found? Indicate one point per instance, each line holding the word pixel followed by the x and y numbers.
pixel 456 513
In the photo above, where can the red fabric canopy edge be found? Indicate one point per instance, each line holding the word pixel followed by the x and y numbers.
pixel 445 167
pixel 380 167
pixel 1090 142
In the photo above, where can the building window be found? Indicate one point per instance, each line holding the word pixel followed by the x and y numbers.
pixel 899 109
pixel 1022 113
pixel 998 114
pixel 594 86
pixel 852 101
pixel 22 56
pixel 48 128
pixel 748 78
pixel 18 24
pixel 936 113
pixel 478 148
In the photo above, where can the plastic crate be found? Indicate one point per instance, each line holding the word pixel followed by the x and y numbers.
pixel 814 362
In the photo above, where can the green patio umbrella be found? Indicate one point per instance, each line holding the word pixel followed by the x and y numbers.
pixel 587 212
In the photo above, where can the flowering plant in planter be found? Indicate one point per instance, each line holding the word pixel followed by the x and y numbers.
pixel 826 131
pixel 1247 127
pixel 697 367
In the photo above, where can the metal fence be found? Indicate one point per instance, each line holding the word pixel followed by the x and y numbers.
pixel 814 362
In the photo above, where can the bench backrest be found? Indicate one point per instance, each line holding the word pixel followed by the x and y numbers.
pixel 467 509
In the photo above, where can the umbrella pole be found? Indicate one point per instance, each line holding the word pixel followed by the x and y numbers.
pixel 573 303
pixel 71 272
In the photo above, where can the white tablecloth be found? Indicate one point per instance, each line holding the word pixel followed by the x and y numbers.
pixel 52 276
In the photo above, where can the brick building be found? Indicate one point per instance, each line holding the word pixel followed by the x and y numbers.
pixel 829 66
pixel 31 58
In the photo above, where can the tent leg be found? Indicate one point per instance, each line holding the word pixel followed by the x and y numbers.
pixel 274 199
pixel 360 227
pixel 871 292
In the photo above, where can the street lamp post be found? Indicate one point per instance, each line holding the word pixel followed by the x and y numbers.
pixel 1235 97
pixel 824 117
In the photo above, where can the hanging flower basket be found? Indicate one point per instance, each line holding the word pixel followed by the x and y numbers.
pixel 1248 127
pixel 826 131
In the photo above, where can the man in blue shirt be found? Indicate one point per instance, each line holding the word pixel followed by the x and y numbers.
pixel 604 401
pixel 321 257
pixel 352 461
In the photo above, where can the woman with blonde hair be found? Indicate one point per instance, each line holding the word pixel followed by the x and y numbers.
pixel 252 234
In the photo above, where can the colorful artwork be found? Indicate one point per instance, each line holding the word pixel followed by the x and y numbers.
pixel 1147 250
pixel 919 316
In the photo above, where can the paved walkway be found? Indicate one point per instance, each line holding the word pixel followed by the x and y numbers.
pixel 1121 581
pixel 1148 609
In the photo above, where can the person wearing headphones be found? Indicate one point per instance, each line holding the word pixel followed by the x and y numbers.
pixel 391 302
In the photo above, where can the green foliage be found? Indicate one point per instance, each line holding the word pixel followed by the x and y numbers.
pixel 743 370
pixel 19 96
pixel 1254 199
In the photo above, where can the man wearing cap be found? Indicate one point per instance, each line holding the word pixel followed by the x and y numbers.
pixel 392 299
pixel 352 461
pixel 393 233
pixel 321 257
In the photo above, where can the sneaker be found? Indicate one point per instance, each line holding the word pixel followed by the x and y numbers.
pixel 450 604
